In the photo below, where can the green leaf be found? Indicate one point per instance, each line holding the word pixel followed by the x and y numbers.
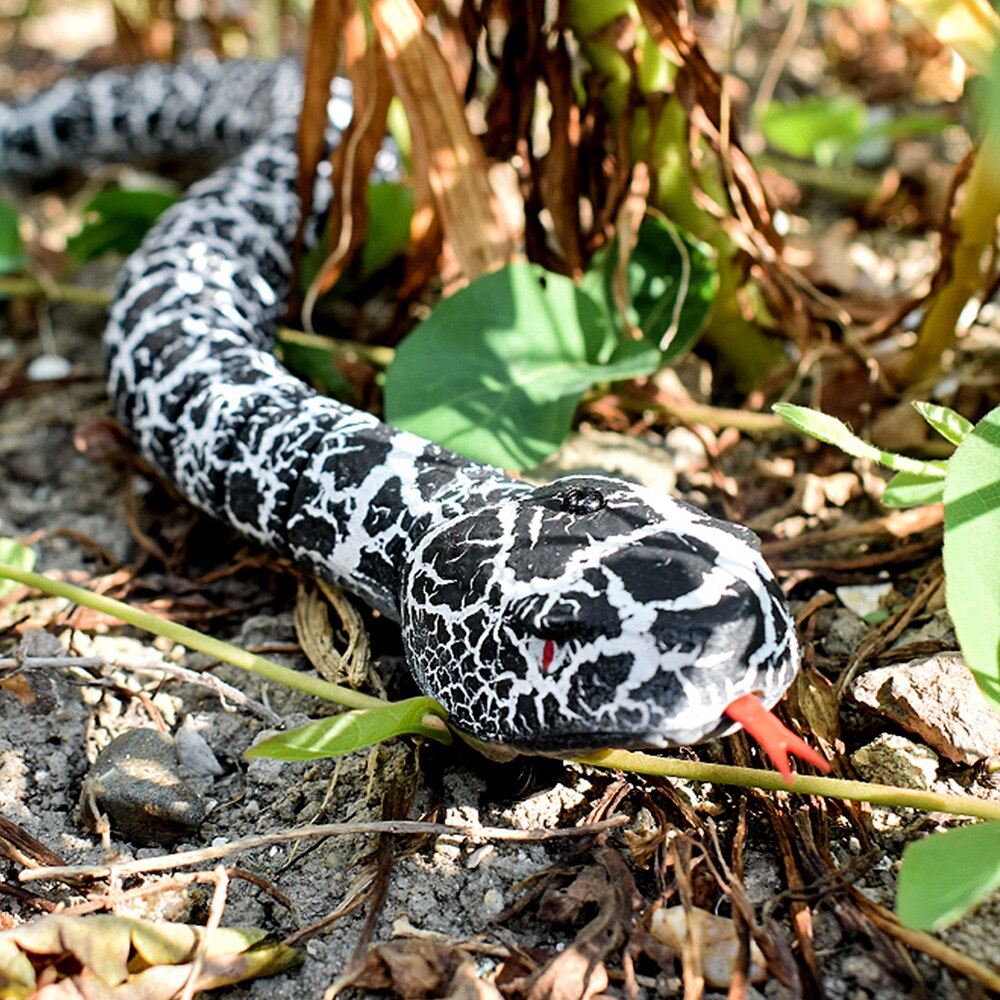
pixel 497 370
pixel 950 425
pixel 13 553
pixel 354 730
pixel 946 874
pixel 117 220
pixel 972 551
pixel 672 282
pixel 823 129
pixel 908 490
pixel 12 256
pixel 829 429
pixel 390 209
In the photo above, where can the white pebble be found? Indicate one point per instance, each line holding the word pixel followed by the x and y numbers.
pixel 47 367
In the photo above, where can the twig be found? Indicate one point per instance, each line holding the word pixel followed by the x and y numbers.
pixel 49 662
pixel 227 694
pixel 30 287
pixel 215 911
pixel 403 828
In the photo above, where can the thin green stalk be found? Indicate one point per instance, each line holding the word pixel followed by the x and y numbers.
pixel 188 637
pixel 623 760
pixel 13 286
pixel 771 781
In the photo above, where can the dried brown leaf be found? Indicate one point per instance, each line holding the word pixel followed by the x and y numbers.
pixel 579 970
pixel 128 959
pixel 444 149
pixel 420 968
pixel 354 157
pixel 572 975
pixel 326 29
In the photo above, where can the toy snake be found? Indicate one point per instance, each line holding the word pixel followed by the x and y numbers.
pixel 583 614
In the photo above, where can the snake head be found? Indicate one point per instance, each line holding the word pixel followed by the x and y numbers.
pixel 591 613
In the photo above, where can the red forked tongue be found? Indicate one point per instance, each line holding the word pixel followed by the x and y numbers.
pixel 775 738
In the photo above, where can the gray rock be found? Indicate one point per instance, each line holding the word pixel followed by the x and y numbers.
pixel 136 780
pixel 895 760
pixel 938 699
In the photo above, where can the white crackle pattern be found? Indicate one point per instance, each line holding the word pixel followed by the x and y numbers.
pixel 578 615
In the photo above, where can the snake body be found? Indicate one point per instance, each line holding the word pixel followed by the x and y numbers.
pixel 582 614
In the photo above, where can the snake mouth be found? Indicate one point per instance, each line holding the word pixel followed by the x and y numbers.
pixel 774 737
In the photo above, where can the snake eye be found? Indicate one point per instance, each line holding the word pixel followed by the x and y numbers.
pixel 548 654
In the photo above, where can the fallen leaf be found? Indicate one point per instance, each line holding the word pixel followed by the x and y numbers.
pixel 62 956
pixel 714 939
pixel 421 968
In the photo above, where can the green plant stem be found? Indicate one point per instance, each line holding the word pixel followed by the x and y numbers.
pixel 716 417
pixel 374 354
pixel 833 788
pixel 27 287
pixel 251 662
pixel 844 183
pixel 623 760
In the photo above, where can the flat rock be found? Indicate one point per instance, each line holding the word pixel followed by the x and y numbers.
pixel 894 760
pixel 136 780
pixel 938 699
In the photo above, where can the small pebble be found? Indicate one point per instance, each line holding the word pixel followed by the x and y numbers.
pixel 48 367
pixel 894 760
pixel 136 780
pixel 194 752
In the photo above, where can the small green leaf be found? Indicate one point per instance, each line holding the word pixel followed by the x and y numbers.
pixel 908 490
pixel 497 370
pixel 944 875
pixel 672 281
pixel 390 209
pixel 972 551
pixel 12 256
pixel 823 129
pixel 950 425
pixel 13 553
pixel 829 429
pixel 117 220
pixel 354 730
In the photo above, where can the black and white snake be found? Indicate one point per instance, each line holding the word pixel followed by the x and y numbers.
pixel 579 615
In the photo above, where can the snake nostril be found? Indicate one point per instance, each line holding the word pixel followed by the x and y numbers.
pixel 577 500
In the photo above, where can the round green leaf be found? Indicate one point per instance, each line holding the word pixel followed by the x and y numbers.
pixel 820 128
pixel 117 220
pixel 946 874
pixel 672 281
pixel 972 550
pixel 908 490
pixel 390 209
pixel 497 370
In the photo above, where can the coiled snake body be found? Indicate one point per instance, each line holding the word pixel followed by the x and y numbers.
pixel 578 615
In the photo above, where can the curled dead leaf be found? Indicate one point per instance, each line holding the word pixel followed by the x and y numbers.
pixel 714 939
pixel 130 957
pixel 421 968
